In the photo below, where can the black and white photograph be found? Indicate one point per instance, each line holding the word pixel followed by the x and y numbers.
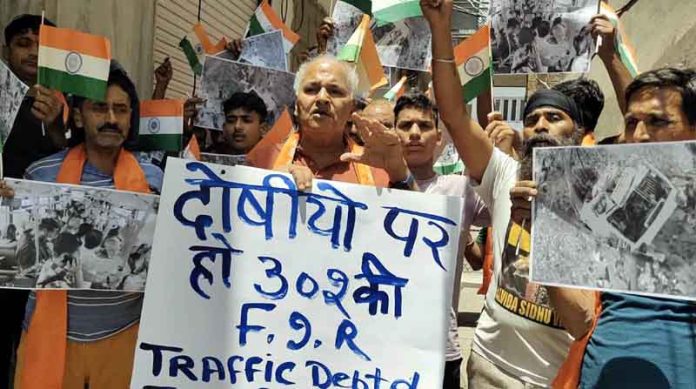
pixel 265 50
pixel 72 237
pixel 224 159
pixel 346 18
pixel 221 78
pixel 624 215
pixel 542 36
pixel 12 92
pixel 404 44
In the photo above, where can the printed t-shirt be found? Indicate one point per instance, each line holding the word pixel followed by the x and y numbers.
pixel 517 331
pixel 93 315
pixel 641 342
pixel 473 212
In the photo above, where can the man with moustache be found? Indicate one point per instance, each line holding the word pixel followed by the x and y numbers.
pixel 637 341
pixel 519 341
pixel 320 146
pixel 38 131
pixel 79 339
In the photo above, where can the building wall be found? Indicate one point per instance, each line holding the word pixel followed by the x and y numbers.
pixel 129 25
pixel 663 34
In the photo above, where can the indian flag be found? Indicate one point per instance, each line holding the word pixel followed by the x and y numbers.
pixel 192 150
pixel 161 124
pixel 266 20
pixel 363 5
pixel 361 51
pixel 397 90
pixel 74 62
pixel 625 50
pixel 196 44
pixel 473 59
pixel 390 11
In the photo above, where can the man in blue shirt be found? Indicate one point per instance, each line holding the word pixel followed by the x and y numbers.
pixel 101 326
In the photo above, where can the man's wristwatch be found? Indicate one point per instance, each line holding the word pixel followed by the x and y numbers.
pixel 406 184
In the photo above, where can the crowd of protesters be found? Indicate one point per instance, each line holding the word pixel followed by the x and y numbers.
pixel 86 339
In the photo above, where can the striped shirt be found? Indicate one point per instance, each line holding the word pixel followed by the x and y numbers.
pixel 93 315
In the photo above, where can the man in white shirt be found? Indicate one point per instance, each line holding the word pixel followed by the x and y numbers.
pixel 415 121
pixel 519 341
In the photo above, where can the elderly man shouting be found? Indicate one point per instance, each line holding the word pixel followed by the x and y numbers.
pixel 319 147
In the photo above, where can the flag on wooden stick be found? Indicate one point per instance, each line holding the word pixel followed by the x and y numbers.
pixel 196 44
pixel 361 51
pixel 265 20
pixel 161 124
pixel 473 59
pixel 74 62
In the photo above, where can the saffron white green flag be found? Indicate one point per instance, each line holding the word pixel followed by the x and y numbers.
pixel 361 51
pixel 192 150
pixel 473 58
pixel 626 52
pixel 74 62
pixel 397 90
pixel 196 44
pixel 390 11
pixel 161 125
pixel 265 20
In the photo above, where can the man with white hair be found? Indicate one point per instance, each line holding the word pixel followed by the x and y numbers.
pixel 319 146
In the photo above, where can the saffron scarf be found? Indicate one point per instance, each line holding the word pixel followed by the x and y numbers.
pixel 287 155
pixel 45 341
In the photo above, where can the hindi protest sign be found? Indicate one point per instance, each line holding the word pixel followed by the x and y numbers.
pixel 222 78
pixel 619 218
pixel 265 50
pixel 12 92
pixel 542 36
pixel 75 237
pixel 265 286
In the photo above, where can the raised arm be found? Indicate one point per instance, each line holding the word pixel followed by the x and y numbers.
pixel 467 135
pixel 618 73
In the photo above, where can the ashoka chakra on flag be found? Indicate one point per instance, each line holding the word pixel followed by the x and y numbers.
pixel 474 66
pixel 73 62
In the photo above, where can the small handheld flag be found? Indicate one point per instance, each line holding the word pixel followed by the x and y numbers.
pixel 196 44
pixel 161 125
pixel 397 90
pixel 391 11
pixel 192 150
pixel 74 62
pixel 265 19
pixel 473 59
pixel 624 49
pixel 361 51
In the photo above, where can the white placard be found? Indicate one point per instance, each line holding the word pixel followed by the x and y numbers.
pixel 254 285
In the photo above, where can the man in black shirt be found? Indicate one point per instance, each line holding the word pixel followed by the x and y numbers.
pixel 38 131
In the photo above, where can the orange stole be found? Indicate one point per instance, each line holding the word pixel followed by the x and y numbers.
pixel 568 376
pixel 287 155
pixel 46 337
